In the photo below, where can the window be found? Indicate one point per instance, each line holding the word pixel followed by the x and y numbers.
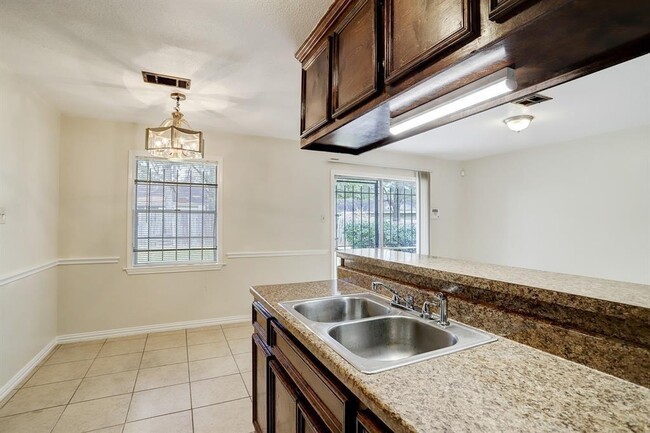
pixel 376 213
pixel 175 212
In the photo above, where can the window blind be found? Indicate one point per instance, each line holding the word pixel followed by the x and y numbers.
pixel 175 212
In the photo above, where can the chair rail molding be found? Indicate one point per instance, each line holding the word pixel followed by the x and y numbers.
pixel 28 272
pixel 287 253
pixel 89 261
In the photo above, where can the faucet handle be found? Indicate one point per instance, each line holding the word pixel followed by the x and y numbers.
pixel 442 302
pixel 409 302
pixel 426 310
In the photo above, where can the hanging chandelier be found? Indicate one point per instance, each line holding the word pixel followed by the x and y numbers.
pixel 174 139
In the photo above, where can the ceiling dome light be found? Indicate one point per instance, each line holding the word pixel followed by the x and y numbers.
pixel 174 139
pixel 518 123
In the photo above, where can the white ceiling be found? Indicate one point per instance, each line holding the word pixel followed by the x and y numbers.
pixel 86 56
pixel 612 99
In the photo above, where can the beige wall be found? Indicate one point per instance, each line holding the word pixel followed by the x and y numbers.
pixel 581 207
pixel 29 152
pixel 274 195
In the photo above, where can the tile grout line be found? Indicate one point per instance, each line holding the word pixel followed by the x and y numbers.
pixel 135 382
pixel 105 342
pixel 189 378
pixel 76 389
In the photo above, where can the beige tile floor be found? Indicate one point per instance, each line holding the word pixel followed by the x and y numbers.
pixel 188 381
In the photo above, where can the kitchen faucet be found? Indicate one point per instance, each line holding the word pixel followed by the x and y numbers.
pixel 441 302
pixel 397 301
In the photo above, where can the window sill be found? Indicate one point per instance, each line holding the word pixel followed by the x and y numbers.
pixel 167 269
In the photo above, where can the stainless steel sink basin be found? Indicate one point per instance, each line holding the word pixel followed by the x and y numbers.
pixel 391 338
pixel 340 309
pixel 373 336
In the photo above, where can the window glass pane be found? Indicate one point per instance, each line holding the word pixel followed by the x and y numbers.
pixel 169 243
pixel 170 225
pixel 155 224
pixel 182 224
pixel 142 196
pixel 373 213
pixel 196 224
pixel 175 211
pixel 155 244
pixel 208 224
pixel 196 198
pixel 210 198
pixel 183 200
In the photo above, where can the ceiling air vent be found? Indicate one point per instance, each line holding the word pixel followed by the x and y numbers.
pixel 533 99
pixel 166 80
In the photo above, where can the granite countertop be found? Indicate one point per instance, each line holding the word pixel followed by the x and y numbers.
pixel 509 278
pixel 499 387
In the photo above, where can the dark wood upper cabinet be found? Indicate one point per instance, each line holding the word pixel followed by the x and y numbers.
pixel 369 61
pixel 316 89
pixel 501 10
pixel 419 30
pixel 355 67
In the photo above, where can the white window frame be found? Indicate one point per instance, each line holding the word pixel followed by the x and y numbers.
pixel 170 268
pixel 359 175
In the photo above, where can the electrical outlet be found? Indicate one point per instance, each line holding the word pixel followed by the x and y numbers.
pixel 2 215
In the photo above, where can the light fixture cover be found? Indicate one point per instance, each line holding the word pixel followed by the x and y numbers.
pixel 490 87
pixel 174 139
pixel 518 123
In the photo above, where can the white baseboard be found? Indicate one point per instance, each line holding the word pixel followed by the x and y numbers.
pixel 123 332
pixel 27 369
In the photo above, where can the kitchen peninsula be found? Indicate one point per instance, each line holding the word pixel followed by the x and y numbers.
pixel 501 386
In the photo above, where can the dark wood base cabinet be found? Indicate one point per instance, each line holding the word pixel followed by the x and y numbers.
pixel 294 393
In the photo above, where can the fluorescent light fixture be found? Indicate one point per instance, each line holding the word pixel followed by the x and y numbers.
pixel 497 84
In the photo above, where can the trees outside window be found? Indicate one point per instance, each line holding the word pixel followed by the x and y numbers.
pixel 376 213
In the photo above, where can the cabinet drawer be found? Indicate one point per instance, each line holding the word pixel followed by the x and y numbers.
pixel 261 321
pixel 328 399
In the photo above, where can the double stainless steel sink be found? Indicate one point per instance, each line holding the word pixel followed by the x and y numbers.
pixel 373 336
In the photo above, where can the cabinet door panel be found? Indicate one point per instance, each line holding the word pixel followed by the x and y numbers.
pixel 501 10
pixel 354 61
pixel 284 401
pixel 368 423
pixel 308 421
pixel 418 30
pixel 261 356
pixel 316 89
